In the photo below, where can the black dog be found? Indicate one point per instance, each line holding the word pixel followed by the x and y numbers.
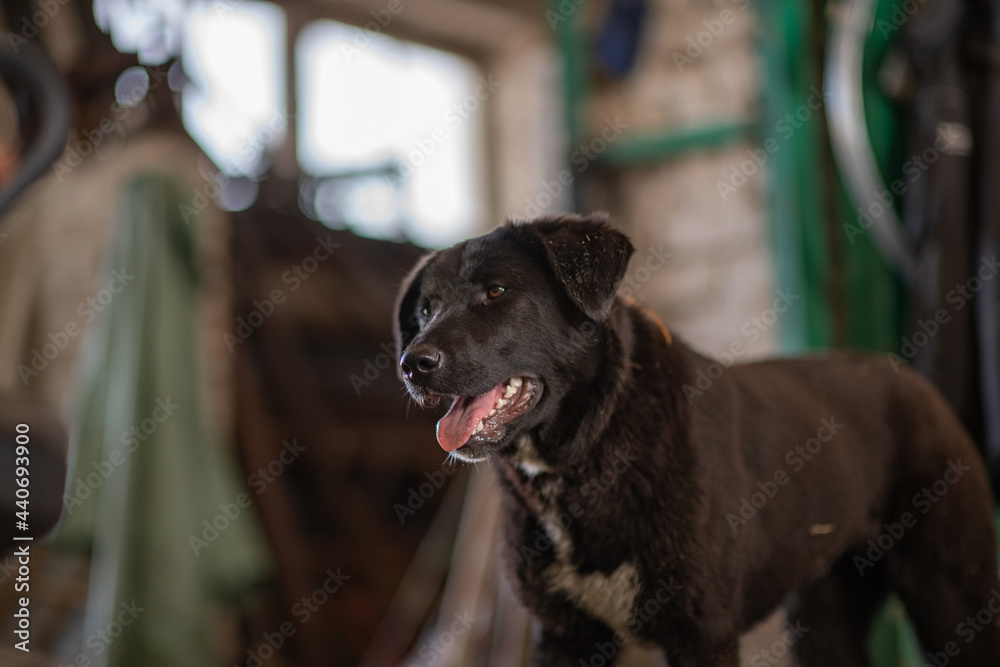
pixel 641 505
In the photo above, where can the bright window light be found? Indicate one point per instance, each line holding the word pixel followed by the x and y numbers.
pixel 234 103
pixel 399 125
pixel 151 30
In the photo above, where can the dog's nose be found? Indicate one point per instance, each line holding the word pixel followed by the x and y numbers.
pixel 421 360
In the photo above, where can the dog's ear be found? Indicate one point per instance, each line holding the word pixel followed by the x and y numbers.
pixel 406 325
pixel 588 256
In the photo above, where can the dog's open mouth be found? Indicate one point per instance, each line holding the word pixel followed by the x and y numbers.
pixel 483 419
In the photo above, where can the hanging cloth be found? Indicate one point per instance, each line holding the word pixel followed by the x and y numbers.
pixel 167 521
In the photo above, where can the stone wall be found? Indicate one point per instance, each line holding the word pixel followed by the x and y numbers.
pixel 703 258
pixel 698 65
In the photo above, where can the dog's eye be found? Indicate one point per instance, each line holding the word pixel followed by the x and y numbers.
pixel 425 311
pixel 495 291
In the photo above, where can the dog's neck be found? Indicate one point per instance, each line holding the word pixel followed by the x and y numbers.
pixel 527 459
pixel 609 451
pixel 628 337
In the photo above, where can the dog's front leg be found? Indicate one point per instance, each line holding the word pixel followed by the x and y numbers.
pixel 553 651
pixel 567 644
pixel 705 653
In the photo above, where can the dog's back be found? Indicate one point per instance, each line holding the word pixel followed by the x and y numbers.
pixel 855 459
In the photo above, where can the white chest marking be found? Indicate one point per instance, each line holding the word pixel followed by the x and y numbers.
pixel 528 459
pixel 608 597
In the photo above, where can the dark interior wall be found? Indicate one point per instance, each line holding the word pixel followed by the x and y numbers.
pixel 313 338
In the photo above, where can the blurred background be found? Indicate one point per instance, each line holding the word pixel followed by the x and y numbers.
pixel 208 206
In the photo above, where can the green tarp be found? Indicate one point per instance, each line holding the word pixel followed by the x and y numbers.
pixel 153 494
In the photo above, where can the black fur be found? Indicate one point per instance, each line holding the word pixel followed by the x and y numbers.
pixel 640 472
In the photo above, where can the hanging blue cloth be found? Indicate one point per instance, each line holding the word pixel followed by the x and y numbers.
pixel 618 40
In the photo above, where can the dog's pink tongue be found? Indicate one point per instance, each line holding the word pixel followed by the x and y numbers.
pixel 455 428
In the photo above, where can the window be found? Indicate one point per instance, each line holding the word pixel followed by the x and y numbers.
pixel 234 101
pixel 389 135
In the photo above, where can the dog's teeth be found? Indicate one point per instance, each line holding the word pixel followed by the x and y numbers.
pixel 500 403
pixel 479 427
pixel 492 412
pixel 510 391
pixel 516 383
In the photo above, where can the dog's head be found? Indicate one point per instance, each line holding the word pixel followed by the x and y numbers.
pixel 499 324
